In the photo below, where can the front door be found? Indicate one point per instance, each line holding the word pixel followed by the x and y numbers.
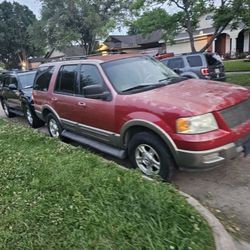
pixel 97 115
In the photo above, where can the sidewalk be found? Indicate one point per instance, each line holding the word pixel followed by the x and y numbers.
pixel 238 73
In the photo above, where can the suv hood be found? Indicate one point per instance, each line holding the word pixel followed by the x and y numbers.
pixel 193 96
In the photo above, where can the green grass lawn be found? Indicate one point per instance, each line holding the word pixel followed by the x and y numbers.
pixel 243 79
pixel 56 196
pixel 236 65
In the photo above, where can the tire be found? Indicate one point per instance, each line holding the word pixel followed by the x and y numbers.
pixel 54 127
pixel 148 153
pixel 6 110
pixel 31 117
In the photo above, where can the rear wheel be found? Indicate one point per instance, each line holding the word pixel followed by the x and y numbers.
pixel 6 110
pixel 54 127
pixel 148 153
pixel 31 117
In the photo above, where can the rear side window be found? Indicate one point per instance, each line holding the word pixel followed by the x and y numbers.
pixel 66 80
pixel 43 77
pixel 194 61
pixel 175 63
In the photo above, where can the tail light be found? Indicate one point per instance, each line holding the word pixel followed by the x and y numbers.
pixel 205 71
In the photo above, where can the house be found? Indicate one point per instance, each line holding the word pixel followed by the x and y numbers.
pixel 54 55
pixel 229 42
pixel 149 44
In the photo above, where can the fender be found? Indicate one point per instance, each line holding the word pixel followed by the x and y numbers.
pixel 155 128
pixel 52 111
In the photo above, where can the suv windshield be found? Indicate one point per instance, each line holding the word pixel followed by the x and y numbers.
pixel 213 59
pixel 138 73
pixel 27 79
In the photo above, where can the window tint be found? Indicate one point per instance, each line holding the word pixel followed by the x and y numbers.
pixel 66 80
pixel 175 63
pixel 90 75
pixel 43 77
pixel 194 61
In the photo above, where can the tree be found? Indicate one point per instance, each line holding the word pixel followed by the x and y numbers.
pixel 227 12
pixel 156 19
pixel 80 22
pixel 14 37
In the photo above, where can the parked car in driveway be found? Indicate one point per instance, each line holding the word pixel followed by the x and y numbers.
pixel 16 96
pixel 204 65
pixel 135 106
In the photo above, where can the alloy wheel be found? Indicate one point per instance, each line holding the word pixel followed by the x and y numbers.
pixel 147 159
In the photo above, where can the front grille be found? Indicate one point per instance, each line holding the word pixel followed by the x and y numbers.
pixel 237 114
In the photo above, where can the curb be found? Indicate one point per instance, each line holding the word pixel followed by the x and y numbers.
pixel 222 238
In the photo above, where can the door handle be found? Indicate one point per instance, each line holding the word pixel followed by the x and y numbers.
pixel 54 99
pixel 82 104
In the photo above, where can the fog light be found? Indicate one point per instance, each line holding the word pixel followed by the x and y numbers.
pixel 214 157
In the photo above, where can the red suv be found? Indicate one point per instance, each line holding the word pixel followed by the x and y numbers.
pixel 137 107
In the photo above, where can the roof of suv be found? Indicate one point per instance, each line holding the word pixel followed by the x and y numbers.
pixel 94 59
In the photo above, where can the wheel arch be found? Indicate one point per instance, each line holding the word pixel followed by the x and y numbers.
pixel 135 126
pixel 47 110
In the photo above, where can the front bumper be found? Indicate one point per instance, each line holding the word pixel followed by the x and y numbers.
pixel 208 159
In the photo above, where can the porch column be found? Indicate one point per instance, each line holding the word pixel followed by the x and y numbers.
pixel 234 36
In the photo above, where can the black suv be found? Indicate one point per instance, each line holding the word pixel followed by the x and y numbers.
pixel 16 95
pixel 204 65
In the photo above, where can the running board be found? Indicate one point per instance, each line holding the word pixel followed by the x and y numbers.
pixel 105 148
pixel 16 112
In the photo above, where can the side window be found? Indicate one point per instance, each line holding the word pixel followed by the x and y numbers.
pixel 176 63
pixel 90 75
pixel 6 81
pixel 43 77
pixel 194 61
pixel 14 81
pixel 66 79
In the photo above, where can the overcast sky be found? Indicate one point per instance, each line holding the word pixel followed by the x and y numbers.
pixel 34 5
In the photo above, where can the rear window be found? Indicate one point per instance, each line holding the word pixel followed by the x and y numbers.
pixel 27 80
pixel 194 61
pixel 213 59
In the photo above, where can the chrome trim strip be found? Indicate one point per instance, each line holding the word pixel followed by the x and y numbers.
pixel 90 128
pixel 209 151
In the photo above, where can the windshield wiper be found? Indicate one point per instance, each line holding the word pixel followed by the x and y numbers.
pixel 28 87
pixel 173 79
pixel 147 86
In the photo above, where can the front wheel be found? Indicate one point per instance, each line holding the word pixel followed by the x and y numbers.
pixel 148 153
pixel 6 110
pixel 31 118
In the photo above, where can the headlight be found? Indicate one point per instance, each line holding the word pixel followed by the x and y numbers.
pixel 196 124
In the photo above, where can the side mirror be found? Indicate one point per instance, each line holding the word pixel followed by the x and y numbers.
pixel 12 87
pixel 177 71
pixel 96 92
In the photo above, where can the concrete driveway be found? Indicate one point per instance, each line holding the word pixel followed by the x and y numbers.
pixel 225 190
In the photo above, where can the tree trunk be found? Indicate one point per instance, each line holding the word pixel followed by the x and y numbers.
pixel 215 35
